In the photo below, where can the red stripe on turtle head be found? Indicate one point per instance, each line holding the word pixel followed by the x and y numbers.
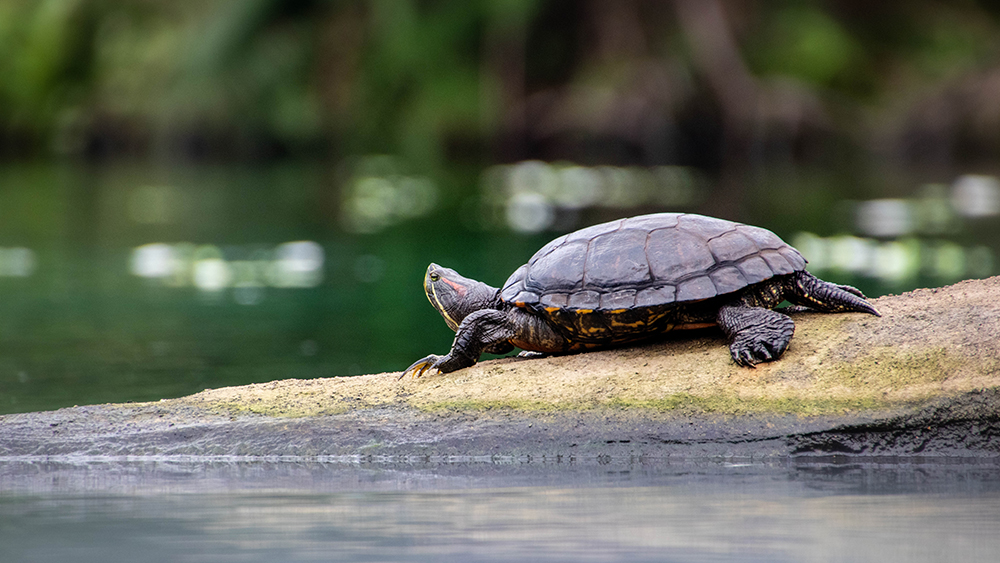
pixel 459 288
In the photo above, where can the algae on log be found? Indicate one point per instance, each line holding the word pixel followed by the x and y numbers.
pixel 922 379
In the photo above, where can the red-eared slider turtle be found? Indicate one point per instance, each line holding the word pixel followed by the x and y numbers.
pixel 630 280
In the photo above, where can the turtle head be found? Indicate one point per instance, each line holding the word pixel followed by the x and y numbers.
pixel 454 295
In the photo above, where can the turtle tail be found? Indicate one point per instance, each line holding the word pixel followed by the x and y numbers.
pixel 806 289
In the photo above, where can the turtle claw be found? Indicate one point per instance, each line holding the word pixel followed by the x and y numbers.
pixel 423 366
pixel 744 358
pixel 531 354
pixel 748 352
pixel 852 289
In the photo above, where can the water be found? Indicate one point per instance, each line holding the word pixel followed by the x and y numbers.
pixel 141 282
pixel 655 511
pixel 132 283
pixel 135 283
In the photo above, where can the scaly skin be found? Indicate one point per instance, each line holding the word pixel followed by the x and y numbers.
pixel 757 334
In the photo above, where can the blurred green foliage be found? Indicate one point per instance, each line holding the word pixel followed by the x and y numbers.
pixel 805 42
pixel 439 81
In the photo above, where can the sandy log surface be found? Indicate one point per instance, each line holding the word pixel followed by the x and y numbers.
pixel 924 379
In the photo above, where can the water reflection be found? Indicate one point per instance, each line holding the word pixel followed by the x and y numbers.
pixel 898 262
pixel 17 262
pixel 935 210
pixel 903 238
pixel 532 194
pixel 378 195
pixel 976 195
pixel 207 268
pixel 154 205
pixel 678 511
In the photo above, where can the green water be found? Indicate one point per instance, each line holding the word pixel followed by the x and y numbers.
pixel 78 326
pixel 140 282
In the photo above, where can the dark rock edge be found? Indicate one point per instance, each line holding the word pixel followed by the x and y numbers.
pixel 961 426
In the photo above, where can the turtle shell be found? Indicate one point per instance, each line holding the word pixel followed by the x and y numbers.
pixel 615 280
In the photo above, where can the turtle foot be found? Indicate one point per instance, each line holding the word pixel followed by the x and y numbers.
pixel 756 334
pixel 756 348
pixel 427 365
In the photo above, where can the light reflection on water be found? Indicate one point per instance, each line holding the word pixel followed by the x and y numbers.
pixel 332 512
pixel 296 264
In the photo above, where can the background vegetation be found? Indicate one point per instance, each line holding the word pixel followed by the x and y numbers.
pixel 441 83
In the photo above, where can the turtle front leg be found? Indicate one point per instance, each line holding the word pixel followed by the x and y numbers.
pixel 755 334
pixel 484 330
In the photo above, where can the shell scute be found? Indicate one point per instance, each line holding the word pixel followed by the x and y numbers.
pixel 589 233
pixel 652 296
pixel 795 260
pixel 652 222
pixel 554 300
pixel 514 284
pixel 731 247
pixel 779 265
pixel 755 269
pixel 584 299
pixel 763 238
pixel 616 259
pixel 705 227
pixel 675 253
pixel 727 279
pixel 550 246
pixel 524 298
pixel 696 289
pixel 623 299
pixel 560 269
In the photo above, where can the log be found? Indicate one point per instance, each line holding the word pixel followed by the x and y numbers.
pixel 922 380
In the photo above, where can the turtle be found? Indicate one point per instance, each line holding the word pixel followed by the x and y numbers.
pixel 628 281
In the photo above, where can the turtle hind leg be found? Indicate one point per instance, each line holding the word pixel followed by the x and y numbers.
pixel 755 334
pixel 807 290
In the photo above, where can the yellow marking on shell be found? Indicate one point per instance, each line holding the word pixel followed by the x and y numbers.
pixel 635 324
pixel 691 326
pixel 551 309
pixel 653 319
pixel 584 311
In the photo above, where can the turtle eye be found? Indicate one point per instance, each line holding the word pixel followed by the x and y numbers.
pixel 435 276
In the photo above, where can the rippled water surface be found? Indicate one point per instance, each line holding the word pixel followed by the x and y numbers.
pixel 111 512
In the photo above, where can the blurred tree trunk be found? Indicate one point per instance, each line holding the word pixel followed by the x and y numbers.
pixel 504 88
pixel 716 56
